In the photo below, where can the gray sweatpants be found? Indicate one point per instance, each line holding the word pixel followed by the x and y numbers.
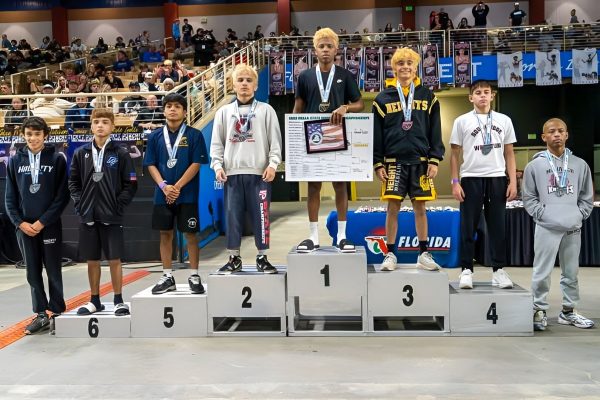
pixel 547 243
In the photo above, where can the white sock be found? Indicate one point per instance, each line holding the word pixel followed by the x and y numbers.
pixel 314 232
pixel 261 252
pixel 193 271
pixel 234 252
pixel 167 272
pixel 341 234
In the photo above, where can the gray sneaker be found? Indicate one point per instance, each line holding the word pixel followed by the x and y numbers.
pixel 540 321
pixel 39 323
pixel 575 319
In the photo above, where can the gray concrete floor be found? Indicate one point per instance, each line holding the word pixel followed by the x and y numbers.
pixel 563 362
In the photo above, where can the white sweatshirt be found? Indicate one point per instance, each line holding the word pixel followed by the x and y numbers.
pixel 245 153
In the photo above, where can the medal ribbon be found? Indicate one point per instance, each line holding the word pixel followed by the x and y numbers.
pixel 251 114
pixel 562 180
pixel 486 134
pixel 34 164
pixel 98 157
pixel 325 90
pixel 172 150
pixel 406 105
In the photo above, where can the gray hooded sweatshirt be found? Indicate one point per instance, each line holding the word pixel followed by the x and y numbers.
pixel 561 213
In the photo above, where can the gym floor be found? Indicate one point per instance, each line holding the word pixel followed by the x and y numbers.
pixel 562 362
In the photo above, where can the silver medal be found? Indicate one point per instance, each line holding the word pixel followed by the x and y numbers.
pixel 486 149
pixel 323 107
pixel 34 188
pixel 324 90
pixel 97 176
pixel 171 163
pixel 172 149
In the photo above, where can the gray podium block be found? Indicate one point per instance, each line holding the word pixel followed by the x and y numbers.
pixel 408 302
pixel 103 324
pixel 247 303
pixel 486 310
pixel 173 314
pixel 327 293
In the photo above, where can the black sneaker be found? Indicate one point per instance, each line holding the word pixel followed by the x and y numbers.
pixel 52 324
pixel 165 284
pixel 233 265
pixel 195 284
pixel 263 265
pixel 39 323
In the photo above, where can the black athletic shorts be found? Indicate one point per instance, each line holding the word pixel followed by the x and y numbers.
pixel 408 180
pixel 163 217
pixel 100 238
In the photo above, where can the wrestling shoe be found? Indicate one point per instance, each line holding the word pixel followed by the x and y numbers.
pixel 165 284
pixel 426 262
pixel 501 279
pixel 466 279
pixel 196 284
pixel 263 265
pixel 389 262
pixel 233 265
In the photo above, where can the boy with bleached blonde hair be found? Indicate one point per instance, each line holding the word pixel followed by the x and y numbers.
pixel 327 88
pixel 407 150
pixel 245 151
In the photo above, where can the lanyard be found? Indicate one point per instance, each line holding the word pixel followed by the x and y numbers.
pixel 172 150
pixel 325 90
pixel 562 180
pixel 249 116
pixel 486 134
pixel 406 105
pixel 98 157
pixel 34 163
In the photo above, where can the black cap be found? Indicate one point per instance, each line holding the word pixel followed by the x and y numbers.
pixel 134 83
pixel 175 98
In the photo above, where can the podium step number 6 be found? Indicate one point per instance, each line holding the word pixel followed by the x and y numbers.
pixel 93 329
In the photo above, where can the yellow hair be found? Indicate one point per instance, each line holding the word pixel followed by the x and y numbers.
pixel 404 53
pixel 325 33
pixel 240 68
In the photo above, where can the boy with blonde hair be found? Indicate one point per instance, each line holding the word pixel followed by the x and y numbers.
pixel 407 150
pixel 327 88
pixel 245 151
pixel 559 194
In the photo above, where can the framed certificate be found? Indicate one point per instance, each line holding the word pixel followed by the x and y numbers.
pixel 322 136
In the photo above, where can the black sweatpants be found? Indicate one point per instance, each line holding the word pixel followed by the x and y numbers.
pixel 41 250
pixel 247 193
pixel 489 194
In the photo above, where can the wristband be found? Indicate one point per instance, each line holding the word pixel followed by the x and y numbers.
pixel 454 180
pixel 162 185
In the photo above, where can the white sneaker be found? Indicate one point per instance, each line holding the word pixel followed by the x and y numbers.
pixel 501 279
pixel 426 261
pixel 466 279
pixel 389 262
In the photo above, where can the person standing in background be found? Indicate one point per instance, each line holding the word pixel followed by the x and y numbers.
pixel 176 33
pixel 480 12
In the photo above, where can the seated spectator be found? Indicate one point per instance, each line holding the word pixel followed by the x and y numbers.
pixel 13 45
pixel 94 86
pixel 5 90
pixel 113 81
pixel 100 71
pixel 464 24
pixel 79 115
pixel 45 42
pixel 152 116
pixel 23 45
pixel 133 103
pixel 61 85
pixel 72 87
pixel 49 107
pixel 90 70
pixel 181 71
pixel 148 85
pixel 120 43
pixel 16 114
pixel 162 51
pixel 151 55
pixel 101 47
pixel 123 63
pixel 166 71
pixel 5 42
pixel 143 70
pixel 168 85
pixel 78 48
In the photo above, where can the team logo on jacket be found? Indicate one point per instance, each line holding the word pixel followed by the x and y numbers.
pixel 192 222
pixel 112 161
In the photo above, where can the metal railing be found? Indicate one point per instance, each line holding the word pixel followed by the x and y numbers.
pixel 205 92
pixel 82 62
pixel 21 81
pixel 409 38
pixel 528 38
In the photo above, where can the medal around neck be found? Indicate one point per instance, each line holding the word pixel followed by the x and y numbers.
pixel 34 188
pixel 486 149
pixel 171 163
pixel 97 176
pixel 486 134
pixel 325 90
pixel 172 149
pixel 34 163
pixel 406 105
